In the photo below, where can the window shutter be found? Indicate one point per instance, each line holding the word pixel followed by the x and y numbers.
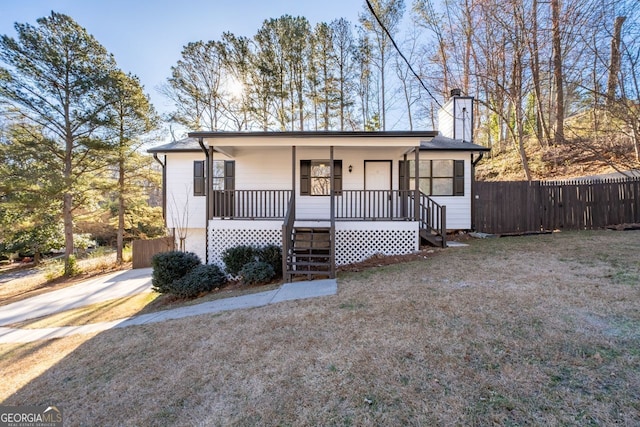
pixel 337 177
pixel 230 175
pixel 458 178
pixel 305 172
pixel 403 183
pixel 198 178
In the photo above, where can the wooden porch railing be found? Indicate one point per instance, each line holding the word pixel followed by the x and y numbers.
pixel 287 238
pixel 433 217
pixel 366 205
pixel 249 204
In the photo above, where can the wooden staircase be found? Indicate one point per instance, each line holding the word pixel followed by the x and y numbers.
pixel 310 254
pixel 432 238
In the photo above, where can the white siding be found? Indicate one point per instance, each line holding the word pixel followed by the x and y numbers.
pixel 196 242
pixel 183 208
pixel 458 207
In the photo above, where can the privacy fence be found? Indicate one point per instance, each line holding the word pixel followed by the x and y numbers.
pixel 144 250
pixel 521 206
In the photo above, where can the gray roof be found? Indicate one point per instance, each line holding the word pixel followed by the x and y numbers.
pixel 438 142
pixel 182 145
pixel 448 144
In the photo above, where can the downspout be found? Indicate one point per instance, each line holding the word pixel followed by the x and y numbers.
pixel 207 197
pixel 164 186
pixel 473 188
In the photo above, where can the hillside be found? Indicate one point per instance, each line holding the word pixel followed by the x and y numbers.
pixel 578 157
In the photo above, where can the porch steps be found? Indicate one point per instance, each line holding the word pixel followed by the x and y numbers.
pixel 432 238
pixel 311 254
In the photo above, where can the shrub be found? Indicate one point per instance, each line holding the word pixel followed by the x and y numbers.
pixel 235 258
pixel 169 267
pixel 202 278
pixel 257 272
pixel 272 255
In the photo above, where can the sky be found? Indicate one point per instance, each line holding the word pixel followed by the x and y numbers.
pixel 147 36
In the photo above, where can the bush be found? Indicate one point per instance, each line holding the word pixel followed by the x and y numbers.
pixel 235 258
pixel 171 266
pixel 202 278
pixel 272 255
pixel 257 272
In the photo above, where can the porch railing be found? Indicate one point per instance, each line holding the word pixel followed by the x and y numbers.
pixel 366 205
pixel 433 217
pixel 287 238
pixel 249 204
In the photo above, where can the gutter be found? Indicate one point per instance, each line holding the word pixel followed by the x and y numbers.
pixel 480 156
pixel 207 197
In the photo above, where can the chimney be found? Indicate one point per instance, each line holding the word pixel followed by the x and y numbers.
pixel 455 118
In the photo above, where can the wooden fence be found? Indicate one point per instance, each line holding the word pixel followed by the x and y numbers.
pixel 144 250
pixel 521 206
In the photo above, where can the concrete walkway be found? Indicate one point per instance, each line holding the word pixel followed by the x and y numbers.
pixel 129 283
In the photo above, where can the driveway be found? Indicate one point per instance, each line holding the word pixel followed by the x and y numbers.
pixel 111 286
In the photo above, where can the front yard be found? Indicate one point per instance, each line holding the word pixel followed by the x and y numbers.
pixel 538 330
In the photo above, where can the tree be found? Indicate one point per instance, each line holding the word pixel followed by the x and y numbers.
pixel 133 116
pixel 390 13
pixel 58 77
pixel 196 86
pixel 344 47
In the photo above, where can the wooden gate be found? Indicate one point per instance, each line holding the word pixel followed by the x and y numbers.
pixel 144 250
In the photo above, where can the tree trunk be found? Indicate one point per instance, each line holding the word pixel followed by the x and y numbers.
pixel 557 71
pixel 121 189
pixel 614 63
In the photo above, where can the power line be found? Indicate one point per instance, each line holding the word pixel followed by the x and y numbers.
pixel 375 15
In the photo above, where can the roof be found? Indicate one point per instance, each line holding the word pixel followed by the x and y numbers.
pixel 183 145
pixel 432 140
pixel 448 144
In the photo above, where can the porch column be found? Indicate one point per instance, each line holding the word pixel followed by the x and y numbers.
pixel 293 180
pixel 332 214
pixel 416 199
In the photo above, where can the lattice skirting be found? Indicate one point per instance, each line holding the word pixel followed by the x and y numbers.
pixel 358 245
pixel 252 234
pixel 355 242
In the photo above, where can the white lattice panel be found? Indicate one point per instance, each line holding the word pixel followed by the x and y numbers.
pixel 221 239
pixel 358 245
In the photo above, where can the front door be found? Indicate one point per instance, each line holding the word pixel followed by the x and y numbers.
pixel 377 183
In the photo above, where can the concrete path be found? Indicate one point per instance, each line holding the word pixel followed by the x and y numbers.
pixel 106 286
pixel 111 286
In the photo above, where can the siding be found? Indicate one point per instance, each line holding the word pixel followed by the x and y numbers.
pixel 458 207
pixel 182 206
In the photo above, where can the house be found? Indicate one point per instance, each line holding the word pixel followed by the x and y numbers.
pixel 327 198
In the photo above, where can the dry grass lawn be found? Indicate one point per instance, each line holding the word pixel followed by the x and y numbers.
pixel 539 330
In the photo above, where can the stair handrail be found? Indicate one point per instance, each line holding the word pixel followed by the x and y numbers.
pixel 287 236
pixel 433 217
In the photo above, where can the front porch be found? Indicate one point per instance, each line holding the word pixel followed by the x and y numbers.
pixel 364 223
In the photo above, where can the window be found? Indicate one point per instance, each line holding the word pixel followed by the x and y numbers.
pixel 217 178
pixel 439 177
pixel 315 177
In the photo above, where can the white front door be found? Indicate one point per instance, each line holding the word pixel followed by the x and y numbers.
pixel 377 183
pixel 377 175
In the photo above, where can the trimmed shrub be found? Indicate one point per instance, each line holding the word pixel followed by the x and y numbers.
pixel 272 255
pixel 202 278
pixel 257 272
pixel 235 258
pixel 171 266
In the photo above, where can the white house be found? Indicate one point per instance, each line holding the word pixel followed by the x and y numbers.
pixel 327 198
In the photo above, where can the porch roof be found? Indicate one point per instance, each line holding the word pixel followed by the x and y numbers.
pixel 448 144
pixel 314 138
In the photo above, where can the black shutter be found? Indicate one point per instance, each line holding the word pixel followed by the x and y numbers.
pixel 305 178
pixel 458 177
pixel 230 175
pixel 199 184
pixel 403 183
pixel 337 177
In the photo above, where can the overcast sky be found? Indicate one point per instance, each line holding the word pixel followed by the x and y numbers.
pixel 147 36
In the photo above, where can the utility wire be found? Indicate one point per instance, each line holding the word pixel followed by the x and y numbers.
pixel 375 15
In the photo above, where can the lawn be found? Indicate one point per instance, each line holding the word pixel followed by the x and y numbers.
pixel 537 330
